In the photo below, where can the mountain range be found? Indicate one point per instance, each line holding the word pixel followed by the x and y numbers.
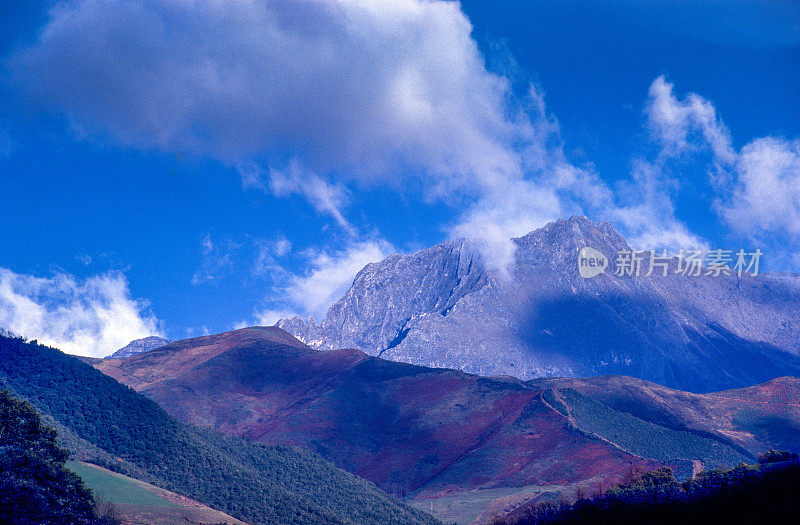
pixel 427 433
pixel 444 307
pixel 467 391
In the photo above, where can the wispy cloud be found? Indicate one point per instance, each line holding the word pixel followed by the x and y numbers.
pixel 328 276
pixel 91 317
pixel 325 197
pixel 757 188
pixel 216 260
pixel 7 144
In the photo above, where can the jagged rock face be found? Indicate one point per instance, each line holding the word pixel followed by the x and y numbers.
pixel 139 346
pixel 441 307
pixel 387 299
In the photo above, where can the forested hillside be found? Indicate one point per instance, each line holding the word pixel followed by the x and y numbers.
pixel 256 483
pixel 766 493
pixel 35 485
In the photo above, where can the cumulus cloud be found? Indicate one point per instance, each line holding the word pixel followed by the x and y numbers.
pixel 93 317
pixel 358 86
pixel 758 187
pixel 314 98
pixel 766 193
pixel 328 277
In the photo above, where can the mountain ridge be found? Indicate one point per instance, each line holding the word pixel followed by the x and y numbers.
pixel 428 432
pixel 442 307
pixel 405 427
pixel 117 428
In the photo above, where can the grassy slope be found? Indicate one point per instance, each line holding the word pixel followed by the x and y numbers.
pixel 405 427
pixel 134 501
pixel 118 489
pixel 749 420
pixel 253 482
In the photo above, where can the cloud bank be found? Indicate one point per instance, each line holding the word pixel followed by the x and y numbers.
pixel 317 98
pixel 305 97
pixel 93 317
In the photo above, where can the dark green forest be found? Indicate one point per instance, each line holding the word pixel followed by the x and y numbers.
pixel 764 493
pixel 35 486
pixel 253 482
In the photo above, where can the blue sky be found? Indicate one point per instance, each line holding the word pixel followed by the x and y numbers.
pixel 176 168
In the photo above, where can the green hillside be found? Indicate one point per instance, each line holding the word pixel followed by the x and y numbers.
pixel 35 485
pixel 644 438
pixel 115 488
pixel 255 483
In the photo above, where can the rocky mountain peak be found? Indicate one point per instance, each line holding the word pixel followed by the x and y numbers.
pixel 567 236
pixel 139 346
pixel 391 294
pixel 441 307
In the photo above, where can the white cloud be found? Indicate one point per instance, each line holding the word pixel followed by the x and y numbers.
pixel 688 125
pixel 551 187
pixel 374 90
pixel 758 187
pixel 328 277
pixel 325 197
pixel 93 317
pixel 511 210
pixel 325 96
pixel 766 193
pixel 321 91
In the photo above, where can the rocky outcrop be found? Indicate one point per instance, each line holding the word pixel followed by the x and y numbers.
pixel 138 346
